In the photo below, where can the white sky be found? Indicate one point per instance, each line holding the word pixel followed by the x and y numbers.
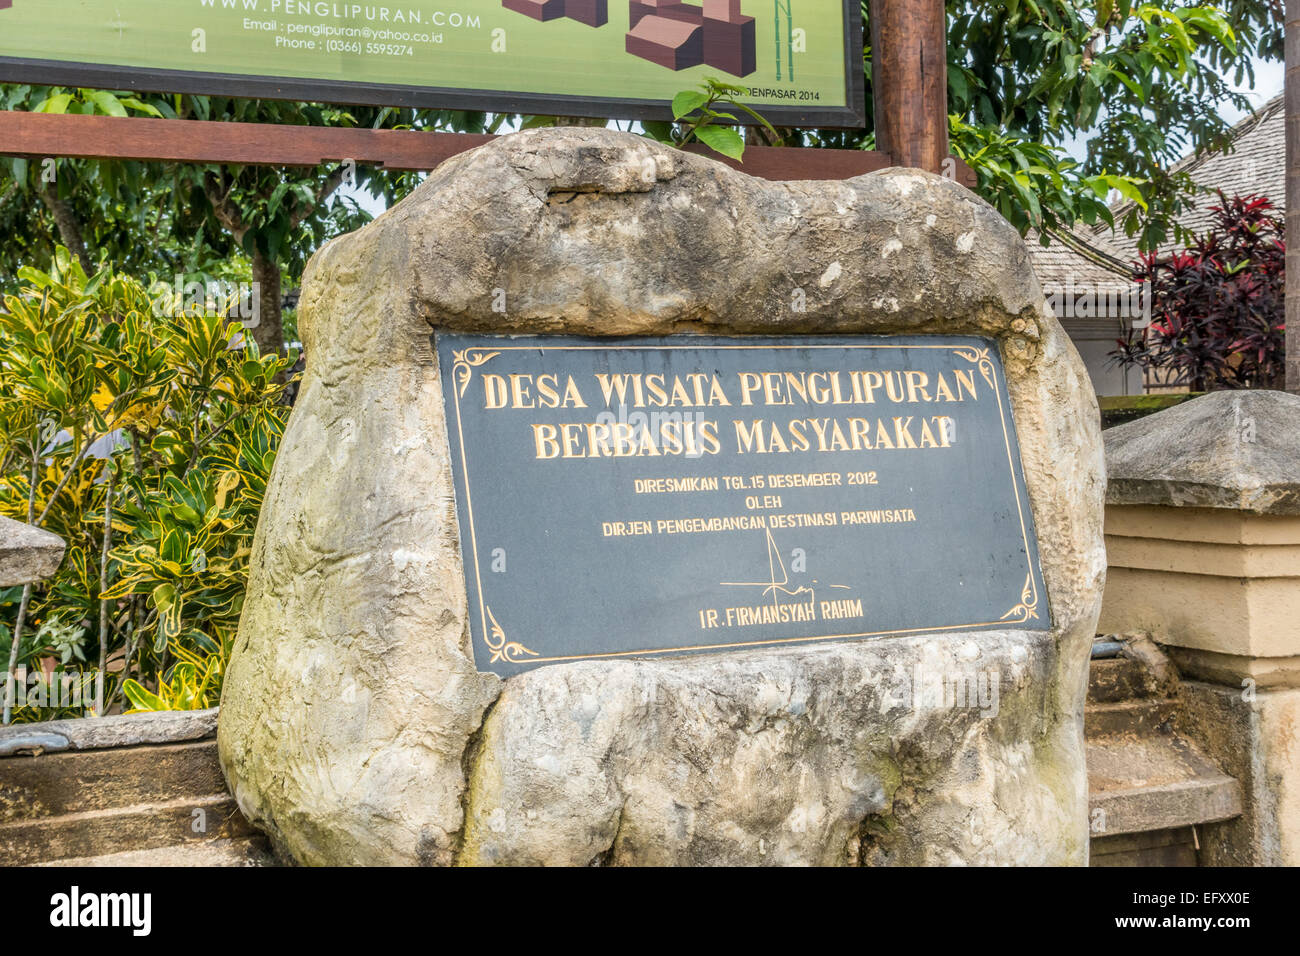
pixel 1269 78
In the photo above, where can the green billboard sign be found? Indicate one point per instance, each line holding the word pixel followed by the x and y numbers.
pixel 800 60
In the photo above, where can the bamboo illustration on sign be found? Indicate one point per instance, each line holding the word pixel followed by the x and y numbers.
pixel 783 7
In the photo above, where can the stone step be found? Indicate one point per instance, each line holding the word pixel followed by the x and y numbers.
pixel 54 784
pixel 1176 847
pixel 1140 783
pixel 238 851
pixel 1131 717
pixel 113 830
pixel 1116 679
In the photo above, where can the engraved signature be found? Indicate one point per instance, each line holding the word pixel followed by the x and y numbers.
pixel 775 586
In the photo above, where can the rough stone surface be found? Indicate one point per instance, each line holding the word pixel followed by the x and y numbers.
pixel 354 727
pixel 27 553
pixel 95 733
pixel 1238 450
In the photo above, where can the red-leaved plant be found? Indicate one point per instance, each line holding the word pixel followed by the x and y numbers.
pixel 1217 315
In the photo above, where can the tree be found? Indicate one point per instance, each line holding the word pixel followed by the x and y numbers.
pixel 1140 83
pixel 1218 319
pixel 120 210
pixel 177 219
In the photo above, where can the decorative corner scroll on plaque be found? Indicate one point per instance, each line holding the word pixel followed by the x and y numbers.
pixel 511 652
pixel 1027 609
pixel 464 363
pixel 980 357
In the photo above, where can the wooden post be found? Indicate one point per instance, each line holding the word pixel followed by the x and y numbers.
pixel 266 144
pixel 1293 196
pixel 909 76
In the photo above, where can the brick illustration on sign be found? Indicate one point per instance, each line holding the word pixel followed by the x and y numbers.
pixel 672 34
pixel 679 35
pixel 594 13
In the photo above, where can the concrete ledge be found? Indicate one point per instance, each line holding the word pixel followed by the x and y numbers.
pixel 227 851
pixel 1255 617
pixel 1173 847
pixel 81 781
pixel 1230 670
pixel 1198 557
pixel 1207 525
pixel 1252 736
pixel 98 733
pixel 142 827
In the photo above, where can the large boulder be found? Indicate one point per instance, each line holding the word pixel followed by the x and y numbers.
pixel 354 726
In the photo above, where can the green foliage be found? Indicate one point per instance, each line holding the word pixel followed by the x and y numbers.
pixel 113 397
pixel 697 119
pixel 200 222
pixel 1132 87
pixel 121 210
pixel 1141 83
pixel 193 684
pixel 1034 185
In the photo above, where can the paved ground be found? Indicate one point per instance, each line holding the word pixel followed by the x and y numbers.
pixel 243 851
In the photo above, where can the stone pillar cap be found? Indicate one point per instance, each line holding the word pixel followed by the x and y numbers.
pixel 1238 450
pixel 27 553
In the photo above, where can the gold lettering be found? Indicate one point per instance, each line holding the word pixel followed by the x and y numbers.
pixel 916 385
pixel 520 397
pixel 494 392
pixel 872 381
pixel 894 386
pixel 544 439
pixel 860 429
pixel 751 439
pixel 572 397
pixel 942 393
pixel 965 381
pixel 902 432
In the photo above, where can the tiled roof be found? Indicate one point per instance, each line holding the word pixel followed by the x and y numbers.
pixel 1058 266
pixel 1256 164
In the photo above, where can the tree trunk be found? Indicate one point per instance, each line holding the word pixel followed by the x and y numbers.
pixel 1293 196
pixel 69 229
pixel 268 332
pixel 909 81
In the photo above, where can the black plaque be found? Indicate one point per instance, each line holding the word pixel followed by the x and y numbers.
pixel 635 497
